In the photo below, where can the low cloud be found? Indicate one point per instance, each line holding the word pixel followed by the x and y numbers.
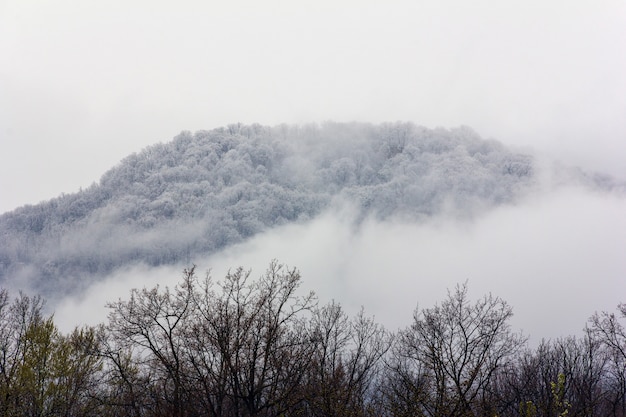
pixel 556 257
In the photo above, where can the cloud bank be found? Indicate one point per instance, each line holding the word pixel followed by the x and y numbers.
pixel 556 257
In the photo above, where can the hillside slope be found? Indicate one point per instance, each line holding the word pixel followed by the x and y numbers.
pixel 201 192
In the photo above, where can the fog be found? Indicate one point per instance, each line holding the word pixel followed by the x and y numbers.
pixel 556 257
pixel 83 85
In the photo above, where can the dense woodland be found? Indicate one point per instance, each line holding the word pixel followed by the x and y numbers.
pixel 174 202
pixel 264 347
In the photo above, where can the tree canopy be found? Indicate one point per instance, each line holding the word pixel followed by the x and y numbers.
pixel 245 346
pixel 174 202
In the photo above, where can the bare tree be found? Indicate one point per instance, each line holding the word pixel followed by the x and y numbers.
pixel 345 363
pixel 460 346
pixel 151 323
pixel 608 329
pixel 251 349
pixel 583 364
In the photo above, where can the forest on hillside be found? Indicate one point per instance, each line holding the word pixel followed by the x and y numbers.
pixel 171 203
pixel 264 347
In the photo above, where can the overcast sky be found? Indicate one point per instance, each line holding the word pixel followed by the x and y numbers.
pixel 83 84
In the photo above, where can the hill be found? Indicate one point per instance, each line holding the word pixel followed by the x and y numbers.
pixel 201 192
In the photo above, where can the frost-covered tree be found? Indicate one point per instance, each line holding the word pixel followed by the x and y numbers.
pixel 221 186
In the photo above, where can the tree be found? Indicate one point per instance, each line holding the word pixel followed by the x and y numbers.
pixel 404 389
pixel 44 373
pixel 459 347
pixel 606 327
pixel 582 377
pixel 124 387
pixel 251 348
pixel 529 379
pixel 242 349
pixel 610 331
pixel 151 325
pixel 17 320
pixel 345 362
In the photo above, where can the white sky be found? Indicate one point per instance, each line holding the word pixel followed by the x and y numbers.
pixel 83 84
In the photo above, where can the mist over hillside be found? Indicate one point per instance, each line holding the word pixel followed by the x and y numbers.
pixel 202 192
